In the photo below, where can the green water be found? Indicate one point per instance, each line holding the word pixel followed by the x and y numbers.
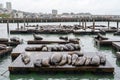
pixel 87 44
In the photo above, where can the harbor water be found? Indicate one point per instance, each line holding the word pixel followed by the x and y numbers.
pixel 86 42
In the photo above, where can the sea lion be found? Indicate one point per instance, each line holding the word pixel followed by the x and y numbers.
pixel 15 39
pixel 71 48
pixel 38 62
pixel 73 40
pixel 25 58
pixel 64 60
pixel 78 53
pixel 69 57
pixel 63 38
pixel 65 48
pixel 45 62
pixel 3 47
pixel 74 58
pixel 45 48
pixel 36 37
pixel 54 48
pixel 61 48
pixel 77 47
pixel 102 59
pixel 80 61
pixel 88 60
pixel 55 58
pixel 95 61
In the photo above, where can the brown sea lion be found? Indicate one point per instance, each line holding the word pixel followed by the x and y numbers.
pixel 74 58
pixel 45 62
pixel 38 62
pixel 88 60
pixel 102 59
pixel 95 61
pixel 64 60
pixel 80 61
pixel 69 57
pixel 25 58
pixel 55 58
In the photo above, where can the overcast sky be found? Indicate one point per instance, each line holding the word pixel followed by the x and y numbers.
pixel 76 6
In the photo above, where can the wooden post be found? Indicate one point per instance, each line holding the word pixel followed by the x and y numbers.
pixel 79 22
pixel 108 25
pixel 17 25
pixel 93 25
pixel 27 22
pixel 117 26
pixel 8 31
pixel 82 24
pixel 85 25
pixel 24 22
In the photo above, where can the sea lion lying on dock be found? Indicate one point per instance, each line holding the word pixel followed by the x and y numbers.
pixel 73 40
pixel 15 39
pixel 88 60
pixel 95 61
pixel 102 59
pixel 55 58
pixel 45 62
pixel 63 38
pixel 25 58
pixel 80 61
pixel 3 47
pixel 74 58
pixel 38 62
pixel 37 37
pixel 63 60
pixel 69 57
pixel 100 37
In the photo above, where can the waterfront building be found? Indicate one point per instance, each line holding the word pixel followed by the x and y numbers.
pixel 1 6
pixel 9 6
pixel 54 12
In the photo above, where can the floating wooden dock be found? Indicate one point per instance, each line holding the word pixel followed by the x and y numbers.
pixel 49 42
pixel 5 51
pixel 84 32
pixel 107 42
pixel 116 45
pixel 11 43
pixel 18 66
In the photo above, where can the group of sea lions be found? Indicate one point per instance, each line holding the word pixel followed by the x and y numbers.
pixel 60 59
pixel 65 47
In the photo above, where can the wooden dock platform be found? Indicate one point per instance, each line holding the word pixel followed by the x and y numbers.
pixel 18 66
pixel 107 42
pixel 49 42
pixel 6 51
pixel 116 45
pixel 86 32
pixel 11 43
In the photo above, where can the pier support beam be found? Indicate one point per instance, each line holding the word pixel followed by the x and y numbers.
pixel 93 25
pixel 117 26
pixel 108 25
pixel 8 31
pixel 17 25
pixel 85 25
pixel 82 24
